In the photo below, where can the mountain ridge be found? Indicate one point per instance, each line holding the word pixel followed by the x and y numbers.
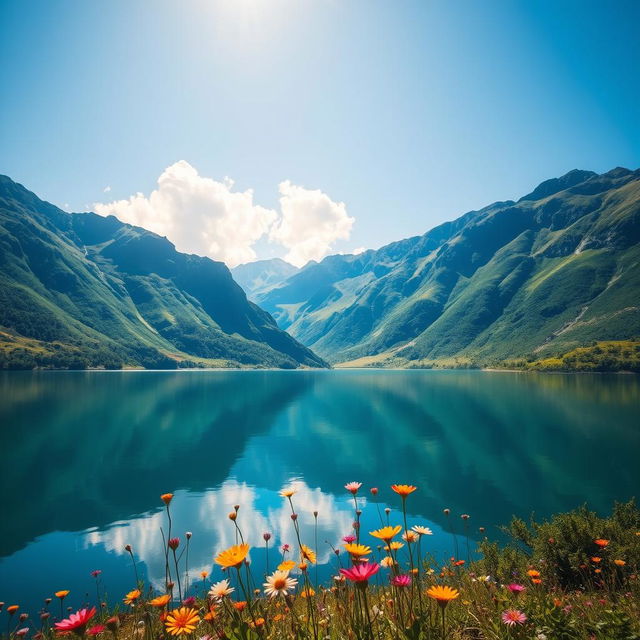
pixel 79 289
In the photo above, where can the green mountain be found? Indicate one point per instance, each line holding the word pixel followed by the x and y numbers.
pixel 258 278
pixel 557 269
pixel 81 290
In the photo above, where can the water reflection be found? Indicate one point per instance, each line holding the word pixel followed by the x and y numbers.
pixel 91 452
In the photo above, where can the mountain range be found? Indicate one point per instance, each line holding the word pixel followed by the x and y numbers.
pixel 81 290
pixel 557 269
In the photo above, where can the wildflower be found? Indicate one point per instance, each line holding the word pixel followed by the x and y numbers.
pixel 394 546
pixel 285 548
pixel 287 493
pixel 601 542
pixel 188 535
pixel 233 556
pixel 352 487
pixel 96 573
pixel 533 573
pixel 220 589
pixel 386 533
pixel 232 515
pixel 286 565
pixel 259 622
pixel 303 566
pixel 458 563
pixel 266 536
pixel 160 601
pixel 76 622
pixel 11 609
pixel 515 588
pixel 189 602
pixel 307 553
pixel 174 543
pixel 95 630
pixel 357 550
pixel 21 633
pixel 401 581
pixel 443 594
pixel 307 592
pixel 182 621
pixel 596 559
pixel 349 539
pixel 374 491
pixel 403 489
pixel 204 574
pixel 279 584
pixel 536 580
pixel 410 536
pixel 512 617
pixel 132 596
pixel 239 606
pixel 62 594
pixel 166 498
pixel 112 624
pixel 620 563
pixel 210 615
pixel 422 531
pixel 464 516
pixel 387 562
pixel 361 572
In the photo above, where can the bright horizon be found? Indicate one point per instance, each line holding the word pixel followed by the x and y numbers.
pixel 256 129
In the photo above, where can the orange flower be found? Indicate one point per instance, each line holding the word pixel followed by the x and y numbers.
pixel 258 623
pixel 12 609
pixel 182 622
pixel 132 596
pixel 403 489
pixel 233 556
pixel 536 580
pixel 386 533
pixel 166 498
pixel 62 594
pixel 204 574
pixel 620 563
pixel 160 601
pixel 601 542
pixel 239 606
pixel 443 594
pixel 210 615
pixel 597 571
pixel 596 559
pixel 533 573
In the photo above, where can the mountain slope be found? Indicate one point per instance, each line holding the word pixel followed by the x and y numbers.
pixel 83 290
pixel 258 278
pixel 554 270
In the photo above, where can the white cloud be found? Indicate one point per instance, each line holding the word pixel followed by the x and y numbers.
pixel 310 223
pixel 107 189
pixel 199 215
pixel 203 216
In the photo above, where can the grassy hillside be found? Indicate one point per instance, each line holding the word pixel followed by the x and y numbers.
pixel 556 270
pixel 80 290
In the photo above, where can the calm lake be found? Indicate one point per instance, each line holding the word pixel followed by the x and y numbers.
pixel 86 456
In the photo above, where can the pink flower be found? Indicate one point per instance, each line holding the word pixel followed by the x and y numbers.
pixel 174 543
pixel 349 539
pixel 21 633
pixel 361 572
pixel 96 629
pixel 96 573
pixel 285 548
pixel 515 588
pixel 189 602
pixel 401 581
pixel 352 487
pixel 77 621
pixel 512 617
pixel 374 491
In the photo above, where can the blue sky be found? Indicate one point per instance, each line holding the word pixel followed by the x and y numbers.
pixel 407 113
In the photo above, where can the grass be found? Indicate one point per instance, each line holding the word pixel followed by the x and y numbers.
pixel 573 576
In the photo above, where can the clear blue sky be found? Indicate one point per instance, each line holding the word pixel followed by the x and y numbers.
pixel 410 113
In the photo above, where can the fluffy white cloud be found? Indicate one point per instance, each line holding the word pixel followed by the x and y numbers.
pixel 203 216
pixel 199 215
pixel 310 223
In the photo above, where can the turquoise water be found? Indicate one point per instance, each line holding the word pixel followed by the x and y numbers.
pixel 87 454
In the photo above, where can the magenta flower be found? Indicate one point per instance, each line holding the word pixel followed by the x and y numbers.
pixel 189 602
pixel 515 588
pixel 361 572
pixel 401 581
pixel 512 617
pixel 96 629
pixel 349 539
pixel 96 573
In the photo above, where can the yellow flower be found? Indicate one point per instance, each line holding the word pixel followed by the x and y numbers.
pixel 394 546
pixel 307 553
pixel 287 493
pixel 307 592
pixel 132 596
pixel 357 549
pixel 403 489
pixel 387 562
pixel 182 622
pixel 386 533
pixel 62 594
pixel 410 536
pixel 233 556
pixel 442 594
pixel 286 565
pixel 160 601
